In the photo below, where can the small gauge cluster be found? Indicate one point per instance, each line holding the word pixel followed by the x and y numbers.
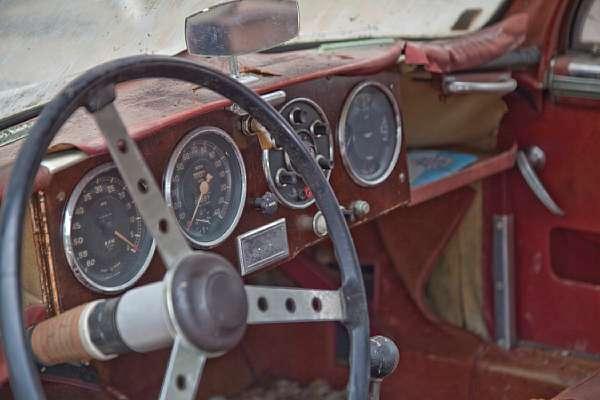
pixel 311 126
pixel 108 246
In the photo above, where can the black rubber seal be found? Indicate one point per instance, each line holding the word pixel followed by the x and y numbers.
pixel 104 332
pixel 25 381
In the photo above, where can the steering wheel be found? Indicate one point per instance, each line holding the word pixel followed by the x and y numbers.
pixel 207 303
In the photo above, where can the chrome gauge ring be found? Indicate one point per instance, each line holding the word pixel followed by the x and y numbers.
pixel 370 133
pixel 106 242
pixel 205 184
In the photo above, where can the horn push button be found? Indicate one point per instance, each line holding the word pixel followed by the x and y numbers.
pixel 209 302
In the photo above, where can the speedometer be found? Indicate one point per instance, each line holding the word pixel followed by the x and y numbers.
pixel 205 184
pixel 370 133
pixel 106 242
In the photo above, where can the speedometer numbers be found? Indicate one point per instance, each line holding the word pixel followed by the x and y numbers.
pixel 370 133
pixel 205 184
pixel 106 241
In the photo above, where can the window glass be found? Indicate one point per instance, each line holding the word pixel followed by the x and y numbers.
pixel 590 31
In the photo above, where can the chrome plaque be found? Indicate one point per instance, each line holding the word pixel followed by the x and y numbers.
pixel 262 246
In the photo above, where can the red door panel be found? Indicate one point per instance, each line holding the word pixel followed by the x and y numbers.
pixel 558 269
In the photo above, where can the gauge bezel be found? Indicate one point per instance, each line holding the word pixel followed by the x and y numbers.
pixel 171 168
pixel 265 156
pixel 68 247
pixel 359 180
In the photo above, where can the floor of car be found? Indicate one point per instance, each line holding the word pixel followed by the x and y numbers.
pixel 283 389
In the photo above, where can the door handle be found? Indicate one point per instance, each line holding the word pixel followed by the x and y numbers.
pixel 525 163
pixel 464 87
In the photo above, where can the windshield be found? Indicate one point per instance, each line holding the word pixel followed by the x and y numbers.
pixel 45 43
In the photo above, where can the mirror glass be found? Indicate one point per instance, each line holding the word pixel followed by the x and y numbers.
pixel 241 27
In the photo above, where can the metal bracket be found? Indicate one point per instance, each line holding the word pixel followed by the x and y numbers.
pixel 504 281
pixel 275 99
pixel 462 84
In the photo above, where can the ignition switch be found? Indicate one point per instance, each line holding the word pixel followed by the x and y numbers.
pixel 266 204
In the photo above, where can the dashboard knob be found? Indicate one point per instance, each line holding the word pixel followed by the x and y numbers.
pixel 384 356
pixel 298 116
pixel 266 204
pixel 319 224
pixel 286 178
pixel 360 208
pixel 318 128
pixel 324 162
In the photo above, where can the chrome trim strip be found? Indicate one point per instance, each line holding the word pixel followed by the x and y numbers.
pixel 273 98
pixel 460 87
pixel 573 86
pixel 56 162
pixel 504 281
pixel 584 69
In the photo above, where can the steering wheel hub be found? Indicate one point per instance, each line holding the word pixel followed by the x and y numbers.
pixel 208 302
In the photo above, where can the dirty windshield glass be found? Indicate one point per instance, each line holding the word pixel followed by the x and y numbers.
pixel 45 43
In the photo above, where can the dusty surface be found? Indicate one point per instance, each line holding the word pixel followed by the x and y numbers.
pixel 288 390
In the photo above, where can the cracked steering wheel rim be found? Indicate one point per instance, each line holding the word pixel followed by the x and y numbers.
pixel 93 90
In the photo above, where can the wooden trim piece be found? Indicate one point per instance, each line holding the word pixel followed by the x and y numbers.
pixel 41 237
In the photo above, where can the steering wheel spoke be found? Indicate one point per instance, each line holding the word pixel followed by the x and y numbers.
pixel 142 186
pixel 270 305
pixel 183 371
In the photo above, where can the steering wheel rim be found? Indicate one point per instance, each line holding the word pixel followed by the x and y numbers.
pixel 88 90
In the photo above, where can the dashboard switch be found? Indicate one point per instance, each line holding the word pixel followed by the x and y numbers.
pixel 266 204
pixel 318 128
pixel 319 225
pixel 286 178
pixel 298 116
pixel 324 162
pixel 360 208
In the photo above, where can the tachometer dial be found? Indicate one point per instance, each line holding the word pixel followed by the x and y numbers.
pixel 107 244
pixel 370 133
pixel 205 184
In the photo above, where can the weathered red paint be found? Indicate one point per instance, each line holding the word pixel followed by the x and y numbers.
pixel 469 51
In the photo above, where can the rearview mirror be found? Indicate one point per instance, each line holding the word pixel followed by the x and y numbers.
pixel 241 26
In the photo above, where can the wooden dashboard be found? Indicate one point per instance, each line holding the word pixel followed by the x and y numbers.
pixel 62 291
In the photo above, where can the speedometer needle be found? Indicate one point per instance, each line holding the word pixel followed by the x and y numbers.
pixel 119 235
pixel 204 188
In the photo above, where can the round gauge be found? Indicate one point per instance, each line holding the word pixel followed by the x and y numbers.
pixel 106 242
pixel 370 133
pixel 312 127
pixel 205 184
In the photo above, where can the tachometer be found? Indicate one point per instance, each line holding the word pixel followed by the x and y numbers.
pixel 370 133
pixel 205 184
pixel 106 242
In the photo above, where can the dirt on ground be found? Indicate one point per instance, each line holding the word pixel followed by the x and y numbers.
pixel 288 390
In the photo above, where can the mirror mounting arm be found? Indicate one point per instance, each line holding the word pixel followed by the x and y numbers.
pixel 240 27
